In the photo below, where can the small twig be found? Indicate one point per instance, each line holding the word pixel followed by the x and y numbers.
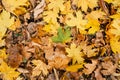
pixel 56 75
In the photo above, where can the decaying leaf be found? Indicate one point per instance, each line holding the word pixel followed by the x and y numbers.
pixel 14 56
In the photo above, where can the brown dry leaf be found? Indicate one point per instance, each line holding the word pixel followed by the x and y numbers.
pixel 108 68
pixel 89 50
pixel 89 68
pixel 98 75
pixel 22 70
pixel 39 8
pixel 99 41
pixel 56 58
pixel 14 56
pixel 41 67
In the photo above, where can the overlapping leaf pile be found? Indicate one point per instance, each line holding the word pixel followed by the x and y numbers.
pixel 60 39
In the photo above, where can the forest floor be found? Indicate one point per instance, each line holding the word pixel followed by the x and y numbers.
pixel 59 39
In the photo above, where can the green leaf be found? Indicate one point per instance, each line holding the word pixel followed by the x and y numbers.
pixel 63 35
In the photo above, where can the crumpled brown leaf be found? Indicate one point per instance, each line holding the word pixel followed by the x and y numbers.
pixel 41 67
pixel 14 56
pixel 98 75
pixel 108 68
pixel 89 68
pixel 56 58
pixel 39 8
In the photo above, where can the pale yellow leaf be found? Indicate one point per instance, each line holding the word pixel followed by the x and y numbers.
pixel 5 22
pixel 50 16
pixel 115 27
pixel 84 4
pixel 77 20
pixel 56 4
pixel 12 5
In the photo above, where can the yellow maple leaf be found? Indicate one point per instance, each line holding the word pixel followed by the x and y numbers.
pixel 50 16
pixel 67 8
pixel 41 67
pixel 77 21
pixel 115 44
pixel 115 28
pixel 3 55
pixel 51 28
pixel 75 53
pixel 13 5
pixel 93 26
pixel 8 72
pixel 109 1
pixel 56 4
pixel 5 22
pixel 116 2
pixel 115 16
pixel 93 23
pixel 96 15
pixel 74 68
pixel 84 4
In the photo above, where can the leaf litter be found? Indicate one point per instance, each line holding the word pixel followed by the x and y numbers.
pixel 59 39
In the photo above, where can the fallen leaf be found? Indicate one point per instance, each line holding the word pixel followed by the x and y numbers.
pixel 115 44
pixel 98 75
pixel 15 5
pixel 89 68
pixel 39 8
pixel 8 72
pixel 14 56
pixel 84 4
pixel 77 21
pixel 56 58
pixel 63 35
pixel 41 68
pixel 115 27
pixel 108 68
pixel 56 4
pixel 74 68
pixel 3 54
pixel 5 16
pixel 75 53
